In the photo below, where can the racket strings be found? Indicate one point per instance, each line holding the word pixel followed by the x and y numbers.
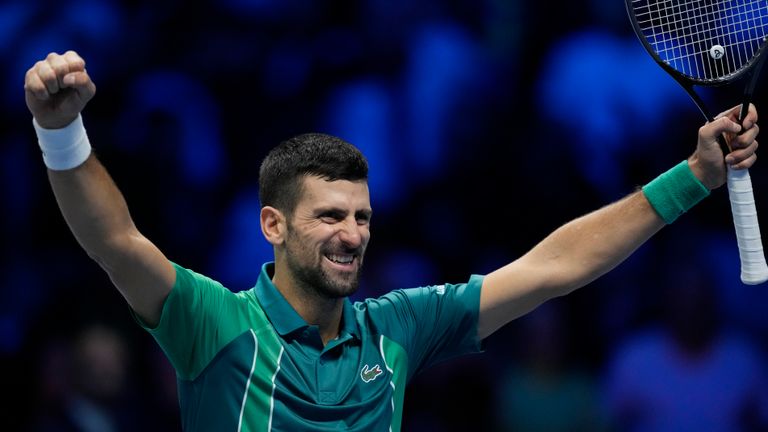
pixel 703 27
pixel 704 39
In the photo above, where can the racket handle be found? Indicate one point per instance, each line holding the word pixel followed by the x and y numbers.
pixel 753 266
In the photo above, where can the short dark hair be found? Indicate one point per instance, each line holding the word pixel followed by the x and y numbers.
pixel 316 154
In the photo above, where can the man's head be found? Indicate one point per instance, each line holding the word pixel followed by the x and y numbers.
pixel 283 170
pixel 316 213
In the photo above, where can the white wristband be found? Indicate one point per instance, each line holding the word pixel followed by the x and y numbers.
pixel 64 148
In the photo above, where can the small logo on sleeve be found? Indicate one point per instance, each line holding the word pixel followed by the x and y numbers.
pixel 370 374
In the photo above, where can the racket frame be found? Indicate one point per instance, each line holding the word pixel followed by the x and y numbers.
pixel 757 272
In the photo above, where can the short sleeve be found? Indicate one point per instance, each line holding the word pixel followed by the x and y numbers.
pixel 192 329
pixel 433 323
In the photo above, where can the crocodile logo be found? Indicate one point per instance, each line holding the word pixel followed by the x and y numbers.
pixel 370 374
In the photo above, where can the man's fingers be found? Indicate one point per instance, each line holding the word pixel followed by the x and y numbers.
pixel 35 86
pixel 57 89
pixel 751 117
pixel 81 83
pixel 741 153
pixel 60 67
pixel 712 130
pixel 745 163
pixel 48 76
pixel 744 147
pixel 727 112
pixel 76 79
pixel 733 113
pixel 75 62
pixel 744 139
pixel 53 71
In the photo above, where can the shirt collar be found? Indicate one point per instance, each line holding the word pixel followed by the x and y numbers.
pixel 284 317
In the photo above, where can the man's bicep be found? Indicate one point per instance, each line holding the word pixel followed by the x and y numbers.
pixel 142 274
pixel 511 292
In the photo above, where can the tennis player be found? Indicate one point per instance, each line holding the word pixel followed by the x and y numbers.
pixel 293 353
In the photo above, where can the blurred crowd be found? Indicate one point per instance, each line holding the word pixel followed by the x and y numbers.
pixel 487 124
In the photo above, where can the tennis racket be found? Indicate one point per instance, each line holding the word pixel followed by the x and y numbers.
pixel 708 43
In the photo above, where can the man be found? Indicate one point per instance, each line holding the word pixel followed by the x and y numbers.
pixel 293 353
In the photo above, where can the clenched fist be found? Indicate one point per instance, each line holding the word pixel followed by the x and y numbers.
pixel 57 89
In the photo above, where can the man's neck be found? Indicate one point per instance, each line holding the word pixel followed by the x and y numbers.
pixel 316 310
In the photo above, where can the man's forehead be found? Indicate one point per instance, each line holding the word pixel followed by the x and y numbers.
pixel 343 193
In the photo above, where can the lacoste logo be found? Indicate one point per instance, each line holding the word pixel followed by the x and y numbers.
pixel 371 374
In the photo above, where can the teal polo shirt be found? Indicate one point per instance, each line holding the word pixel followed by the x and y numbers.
pixel 247 361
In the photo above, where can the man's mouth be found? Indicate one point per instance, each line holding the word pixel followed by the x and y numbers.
pixel 340 259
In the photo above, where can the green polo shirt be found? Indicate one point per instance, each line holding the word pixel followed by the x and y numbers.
pixel 247 361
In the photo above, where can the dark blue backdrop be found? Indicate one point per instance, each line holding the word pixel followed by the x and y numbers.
pixel 487 124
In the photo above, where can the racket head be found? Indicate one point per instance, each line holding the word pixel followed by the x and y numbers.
pixel 702 42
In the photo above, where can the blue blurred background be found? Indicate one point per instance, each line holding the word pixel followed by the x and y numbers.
pixel 487 124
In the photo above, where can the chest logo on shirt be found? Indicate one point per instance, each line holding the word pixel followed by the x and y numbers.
pixel 370 374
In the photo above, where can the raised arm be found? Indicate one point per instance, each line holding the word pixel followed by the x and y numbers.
pixel 586 248
pixel 56 91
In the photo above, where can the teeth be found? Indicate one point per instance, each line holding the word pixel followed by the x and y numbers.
pixel 341 259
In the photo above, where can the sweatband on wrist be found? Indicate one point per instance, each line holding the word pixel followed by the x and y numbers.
pixel 675 192
pixel 64 148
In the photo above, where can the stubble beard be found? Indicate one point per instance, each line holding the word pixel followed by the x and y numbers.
pixel 314 279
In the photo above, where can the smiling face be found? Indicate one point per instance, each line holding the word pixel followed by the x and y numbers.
pixel 326 236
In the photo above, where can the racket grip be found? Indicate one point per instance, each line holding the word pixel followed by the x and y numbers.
pixel 753 266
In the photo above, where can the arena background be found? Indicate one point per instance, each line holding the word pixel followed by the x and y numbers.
pixel 487 124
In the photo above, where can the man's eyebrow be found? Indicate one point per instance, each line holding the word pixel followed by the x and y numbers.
pixel 329 209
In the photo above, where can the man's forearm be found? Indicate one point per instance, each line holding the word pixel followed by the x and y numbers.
pixel 570 257
pixel 587 247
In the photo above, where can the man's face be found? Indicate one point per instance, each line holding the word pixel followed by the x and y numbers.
pixel 327 236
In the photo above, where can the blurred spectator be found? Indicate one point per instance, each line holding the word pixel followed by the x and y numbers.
pixel 691 373
pixel 94 394
pixel 543 389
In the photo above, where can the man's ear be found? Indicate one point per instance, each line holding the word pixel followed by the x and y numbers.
pixel 273 225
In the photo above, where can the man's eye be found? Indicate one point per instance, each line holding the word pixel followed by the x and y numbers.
pixel 330 217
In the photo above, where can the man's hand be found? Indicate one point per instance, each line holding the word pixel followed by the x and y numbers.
pixel 708 162
pixel 57 89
